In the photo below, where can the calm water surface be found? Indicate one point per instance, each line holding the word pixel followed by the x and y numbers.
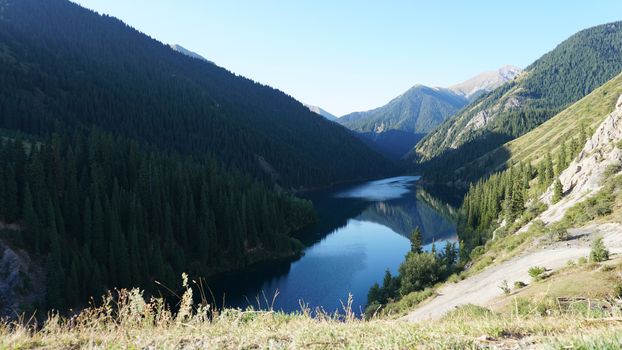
pixel 362 230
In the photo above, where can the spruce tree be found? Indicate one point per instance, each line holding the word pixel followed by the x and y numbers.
pixel 416 241
pixel 558 191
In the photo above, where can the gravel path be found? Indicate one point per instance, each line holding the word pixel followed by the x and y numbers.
pixel 483 288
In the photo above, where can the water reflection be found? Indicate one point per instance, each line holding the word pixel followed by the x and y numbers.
pixel 362 230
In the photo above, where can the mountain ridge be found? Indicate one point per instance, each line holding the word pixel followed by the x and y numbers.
pixel 485 82
pixel 321 111
pixel 571 70
pixel 418 111
pixel 216 112
pixel 188 53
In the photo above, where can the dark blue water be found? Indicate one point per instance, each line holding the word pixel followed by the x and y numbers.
pixel 362 231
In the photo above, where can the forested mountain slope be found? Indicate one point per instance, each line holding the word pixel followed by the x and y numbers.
pixel 124 162
pixel 67 67
pixel 418 110
pixel 572 70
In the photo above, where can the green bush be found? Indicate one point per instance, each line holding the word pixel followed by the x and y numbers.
pixel 519 285
pixel 419 271
pixel 599 252
pixel 536 272
pixel 477 252
pixel 469 312
pixel 559 231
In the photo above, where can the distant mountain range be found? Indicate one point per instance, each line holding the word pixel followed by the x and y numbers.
pixel 320 111
pixel 187 52
pixel 485 82
pixel 420 110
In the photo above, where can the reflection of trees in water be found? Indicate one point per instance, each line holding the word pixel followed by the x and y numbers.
pixel 433 215
pixel 442 207
pixel 333 214
pixel 403 215
pixel 239 288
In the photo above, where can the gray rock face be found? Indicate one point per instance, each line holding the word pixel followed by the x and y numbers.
pixel 188 53
pixel 485 82
pixel 584 176
pixel 21 282
pixel 322 112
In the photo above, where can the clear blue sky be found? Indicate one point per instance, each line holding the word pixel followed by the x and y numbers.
pixel 356 54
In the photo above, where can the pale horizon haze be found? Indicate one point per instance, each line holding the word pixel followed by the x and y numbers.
pixel 347 56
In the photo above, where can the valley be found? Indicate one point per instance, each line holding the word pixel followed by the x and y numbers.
pixel 151 198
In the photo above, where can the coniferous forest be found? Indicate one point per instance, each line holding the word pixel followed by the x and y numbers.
pixel 63 66
pixel 125 162
pixel 103 213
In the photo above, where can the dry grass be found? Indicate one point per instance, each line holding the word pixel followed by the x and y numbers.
pixel 125 320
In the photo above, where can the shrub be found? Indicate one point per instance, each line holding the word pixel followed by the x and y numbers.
pixel 454 278
pixel 582 260
pixel 536 272
pixel 558 191
pixel 599 252
pixel 477 252
pixel 519 285
pixel 504 287
pixel 559 232
pixel 419 271
pixel 612 169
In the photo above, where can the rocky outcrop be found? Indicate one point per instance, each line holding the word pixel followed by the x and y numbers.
pixel 585 175
pixel 21 282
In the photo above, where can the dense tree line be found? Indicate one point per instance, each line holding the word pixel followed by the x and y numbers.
pixel 104 212
pixel 65 66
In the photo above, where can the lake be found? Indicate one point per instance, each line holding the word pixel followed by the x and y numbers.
pixel 362 231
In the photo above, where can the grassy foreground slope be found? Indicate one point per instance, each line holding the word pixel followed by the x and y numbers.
pixel 127 321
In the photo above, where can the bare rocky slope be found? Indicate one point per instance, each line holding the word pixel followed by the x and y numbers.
pixel 600 158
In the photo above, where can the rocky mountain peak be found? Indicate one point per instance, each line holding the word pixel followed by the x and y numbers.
pixel 485 82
